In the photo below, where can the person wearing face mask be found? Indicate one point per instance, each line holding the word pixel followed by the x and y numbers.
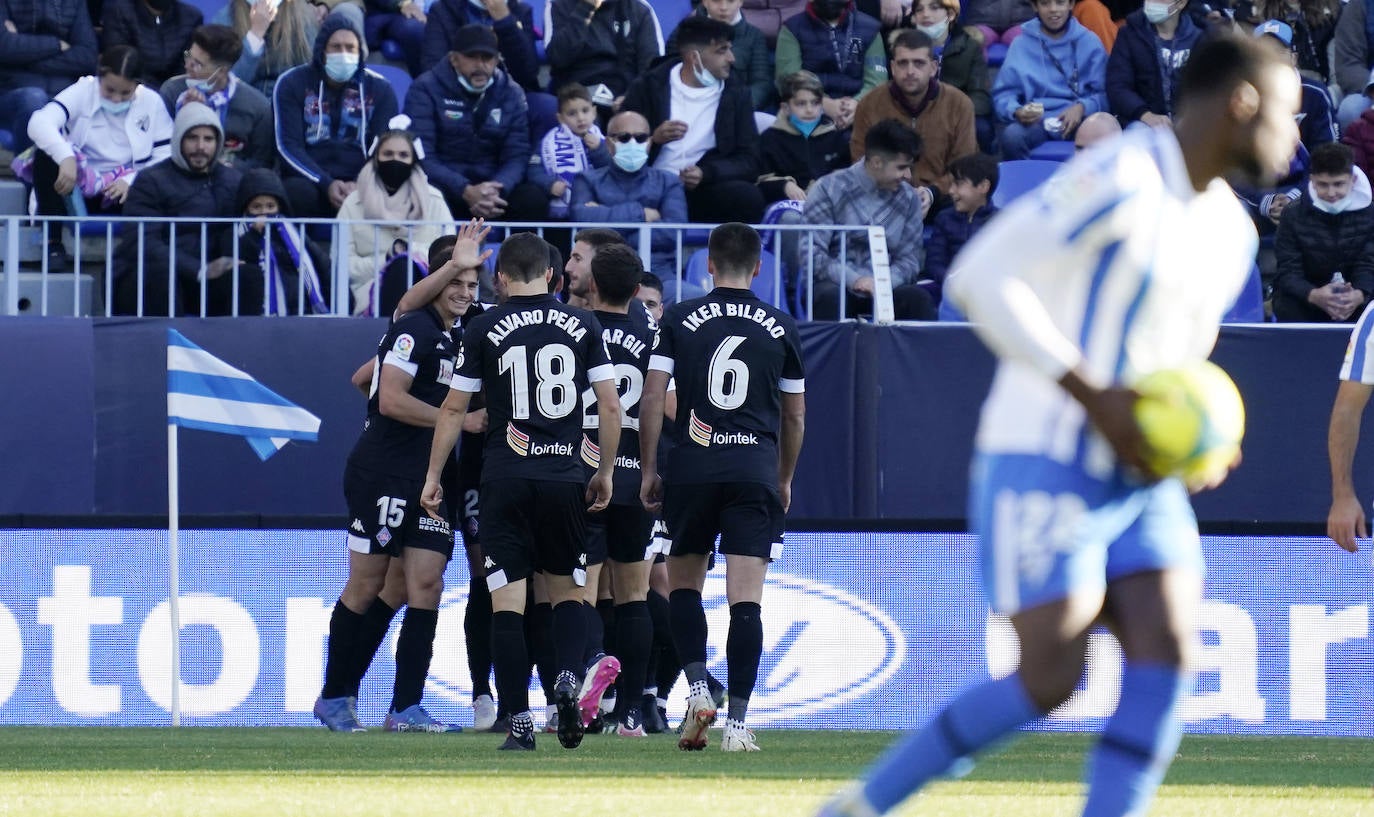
pixel 1329 230
pixel 702 123
pixel 1150 50
pixel 802 144
pixel 841 45
pixel 392 188
pixel 91 141
pixel 753 57
pixel 159 29
pixel 511 20
pixel 282 271
pixel 327 112
pixel 961 60
pixel 243 111
pixel 632 190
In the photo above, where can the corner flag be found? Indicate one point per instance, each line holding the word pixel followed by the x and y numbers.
pixel 206 393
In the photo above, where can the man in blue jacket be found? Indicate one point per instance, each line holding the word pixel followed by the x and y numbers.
pixel 474 124
pixel 327 112
pixel 1150 50
pixel 45 45
pixel 512 20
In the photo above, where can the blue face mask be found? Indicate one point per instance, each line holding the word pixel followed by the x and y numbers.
pixel 205 86
pixel 936 32
pixel 631 156
pixel 341 67
pixel 115 108
pixel 470 88
pixel 706 78
pixel 802 125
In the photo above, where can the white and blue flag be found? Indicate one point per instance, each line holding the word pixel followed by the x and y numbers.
pixel 206 393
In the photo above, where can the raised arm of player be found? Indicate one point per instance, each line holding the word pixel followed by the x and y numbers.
pixel 1346 519
pixel 446 430
pixel 394 399
pixel 467 253
pixel 790 443
pixel 608 437
pixel 650 429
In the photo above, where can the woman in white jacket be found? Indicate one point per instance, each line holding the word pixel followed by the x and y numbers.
pixel 92 139
pixel 393 189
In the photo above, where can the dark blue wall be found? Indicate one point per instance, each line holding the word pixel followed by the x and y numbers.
pixel 891 414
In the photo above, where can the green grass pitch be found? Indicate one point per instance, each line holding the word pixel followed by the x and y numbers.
pixel 86 772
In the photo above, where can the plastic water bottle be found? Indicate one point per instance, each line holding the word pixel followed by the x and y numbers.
pixel 1338 282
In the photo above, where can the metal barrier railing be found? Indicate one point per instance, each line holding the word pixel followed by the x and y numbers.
pixel 89 288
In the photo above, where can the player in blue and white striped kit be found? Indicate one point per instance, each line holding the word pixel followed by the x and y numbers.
pixel 1346 519
pixel 1124 263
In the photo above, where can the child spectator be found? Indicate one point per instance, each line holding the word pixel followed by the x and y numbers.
pixel 803 143
pixel 91 141
pixel 568 150
pixel 278 263
pixel 970 194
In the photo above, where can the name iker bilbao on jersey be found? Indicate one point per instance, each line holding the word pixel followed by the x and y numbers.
pixel 695 319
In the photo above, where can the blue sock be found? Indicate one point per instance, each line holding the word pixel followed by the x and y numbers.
pixel 970 722
pixel 1138 742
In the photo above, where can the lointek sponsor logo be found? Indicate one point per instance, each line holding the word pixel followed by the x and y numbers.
pixel 806 625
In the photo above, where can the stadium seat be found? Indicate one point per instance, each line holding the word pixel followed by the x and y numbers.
pixel 1055 150
pixel 208 8
pixel 543 116
pixel 768 15
pixel 538 7
pixel 7 140
pixel 996 54
pixel 1020 176
pixel 399 79
pixel 670 13
pixel 393 51
pixel 763 286
pixel 1249 305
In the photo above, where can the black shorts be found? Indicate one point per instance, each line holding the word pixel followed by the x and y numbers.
pixel 621 532
pixel 747 516
pixel 533 525
pixel 386 517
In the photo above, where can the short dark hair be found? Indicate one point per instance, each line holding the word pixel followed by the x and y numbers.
pixel 1217 64
pixel 975 168
pixel 441 250
pixel 617 271
pixel 890 138
pixel 1332 159
pixel 572 91
pixel 734 249
pixel 792 84
pixel 121 61
pixel 598 237
pixel 555 264
pixel 696 32
pixel 910 39
pixel 524 257
pixel 220 42
pixel 651 281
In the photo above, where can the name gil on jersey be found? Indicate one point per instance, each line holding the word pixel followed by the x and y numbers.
pixel 553 317
pixel 699 316
pixel 627 340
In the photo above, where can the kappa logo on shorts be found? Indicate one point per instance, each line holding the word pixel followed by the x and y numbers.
pixel 699 432
pixel 591 452
pixel 357 526
pixel 518 441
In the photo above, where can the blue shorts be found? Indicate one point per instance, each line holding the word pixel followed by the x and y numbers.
pixel 1048 530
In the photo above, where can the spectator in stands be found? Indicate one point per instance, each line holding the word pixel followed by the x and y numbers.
pixel 1329 230
pixel 244 113
pixel 970 193
pixel 159 29
pixel 1097 18
pixel 327 112
pixel 1352 58
pixel 940 114
pixel 1054 76
pixel 1094 129
pixel 392 187
pixel 278 262
pixel 568 150
pixel 1317 120
pixel 472 120
pixel 1314 27
pixel 402 21
pixel 1142 72
pixel 194 184
pixel 277 36
pixel 839 44
pixel 91 141
pixel 703 124
pixel 629 190
pixel 753 58
pixel 874 191
pixel 803 143
pixel 959 57
pixel 512 20
pixel 45 45
pixel 602 44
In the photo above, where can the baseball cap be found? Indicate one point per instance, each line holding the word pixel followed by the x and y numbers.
pixel 476 39
pixel 1277 29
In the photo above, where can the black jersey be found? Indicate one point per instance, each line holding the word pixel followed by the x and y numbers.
pixel 731 355
pixel 629 339
pixel 534 356
pixel 419 344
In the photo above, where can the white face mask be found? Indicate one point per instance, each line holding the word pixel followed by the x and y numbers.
pixel 341 67
pixel 115 108
pixel 1333 207
pixel 935 32
pixel 631 156
pixel 1156 12
pixel 706 78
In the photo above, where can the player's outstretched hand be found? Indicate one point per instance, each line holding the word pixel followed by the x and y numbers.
pixel 468 253
pixel 431 497
pixel 1345 521
pixel 651 492
pixel 599 492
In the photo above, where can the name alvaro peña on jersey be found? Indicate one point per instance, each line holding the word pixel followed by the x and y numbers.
pixel 554 317
pixel 694 319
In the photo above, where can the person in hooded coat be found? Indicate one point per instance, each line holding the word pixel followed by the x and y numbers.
pixel 281 270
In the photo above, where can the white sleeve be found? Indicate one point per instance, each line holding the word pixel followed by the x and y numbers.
pixel 46 124
pixel 1359 353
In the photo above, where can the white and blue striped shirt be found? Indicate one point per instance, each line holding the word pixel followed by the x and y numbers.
pixel 1116 265
pixel 1359 356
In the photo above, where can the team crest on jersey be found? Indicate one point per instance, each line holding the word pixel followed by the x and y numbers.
pixel 384 536
pixel 699 432
pixel 496 116
pixel 591 452
pixel 403 346
pixel 518 441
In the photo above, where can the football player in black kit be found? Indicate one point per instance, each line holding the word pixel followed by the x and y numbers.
pixel 535 357
pixel 415 362
pixel 737 434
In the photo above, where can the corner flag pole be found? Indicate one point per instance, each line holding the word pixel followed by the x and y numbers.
pixel 173 569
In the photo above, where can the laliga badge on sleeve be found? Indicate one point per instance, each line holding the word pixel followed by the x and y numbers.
pixel 403 346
